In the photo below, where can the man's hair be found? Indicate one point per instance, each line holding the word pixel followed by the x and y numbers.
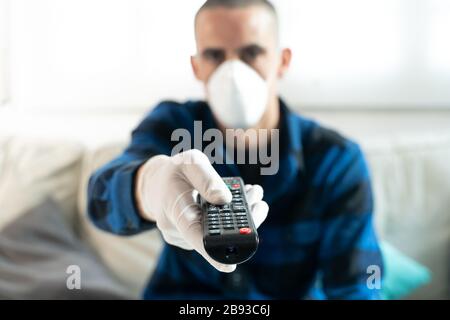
pixel 236 4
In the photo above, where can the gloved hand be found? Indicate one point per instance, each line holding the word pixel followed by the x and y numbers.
pixel 165 190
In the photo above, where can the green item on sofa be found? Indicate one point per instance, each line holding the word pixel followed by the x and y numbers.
pixel 402 275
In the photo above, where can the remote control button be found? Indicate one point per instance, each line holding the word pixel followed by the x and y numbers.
pixel 214 232
pixel 241 214
pixel 245 231
pixel 235 186
pixel 228 227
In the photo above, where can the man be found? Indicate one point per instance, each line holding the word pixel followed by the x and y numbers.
pixel 319 229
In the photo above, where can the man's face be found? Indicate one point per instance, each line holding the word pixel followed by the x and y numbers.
pixel 248 34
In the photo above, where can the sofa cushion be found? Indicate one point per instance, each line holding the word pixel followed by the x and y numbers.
pixel 131 259
pixel 39 255
pixel 402 275
pixel 411 180
pixel 32 170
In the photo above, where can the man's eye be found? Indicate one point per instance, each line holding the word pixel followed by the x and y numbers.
pixel 251 54
pixel 215 56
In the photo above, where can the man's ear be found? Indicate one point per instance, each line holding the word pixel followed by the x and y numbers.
pixel 195 67
pixel 286 58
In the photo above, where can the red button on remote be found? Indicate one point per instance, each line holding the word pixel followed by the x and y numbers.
pixel 236 186
pixel 245 231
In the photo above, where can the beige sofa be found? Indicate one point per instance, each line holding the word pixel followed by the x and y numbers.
pixel 411 182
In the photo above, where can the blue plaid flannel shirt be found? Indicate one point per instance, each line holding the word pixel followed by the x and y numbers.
pixel 318 235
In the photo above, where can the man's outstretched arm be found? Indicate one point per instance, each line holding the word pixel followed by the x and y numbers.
pixel 112 205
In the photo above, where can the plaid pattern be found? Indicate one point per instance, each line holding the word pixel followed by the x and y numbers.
pixel 319 228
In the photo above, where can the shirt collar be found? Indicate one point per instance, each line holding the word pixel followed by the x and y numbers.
pixel 290 132
pixel 291 135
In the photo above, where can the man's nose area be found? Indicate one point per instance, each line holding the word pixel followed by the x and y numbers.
pixel 231 55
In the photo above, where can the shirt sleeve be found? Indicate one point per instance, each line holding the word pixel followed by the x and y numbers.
pixel 349 249
pixel 111 201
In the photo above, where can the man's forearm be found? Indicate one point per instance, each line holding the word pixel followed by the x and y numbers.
pixel 112 204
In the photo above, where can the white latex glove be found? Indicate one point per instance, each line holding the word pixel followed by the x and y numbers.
pixel 165 191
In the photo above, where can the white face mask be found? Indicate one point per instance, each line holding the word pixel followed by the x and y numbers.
pixel 237 95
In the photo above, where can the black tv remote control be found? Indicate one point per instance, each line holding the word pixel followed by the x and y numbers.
pixel 229 234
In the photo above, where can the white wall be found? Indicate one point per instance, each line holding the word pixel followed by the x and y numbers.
pixel 100 54
pixel 126 55
pixel 4 56
pixel 369 53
